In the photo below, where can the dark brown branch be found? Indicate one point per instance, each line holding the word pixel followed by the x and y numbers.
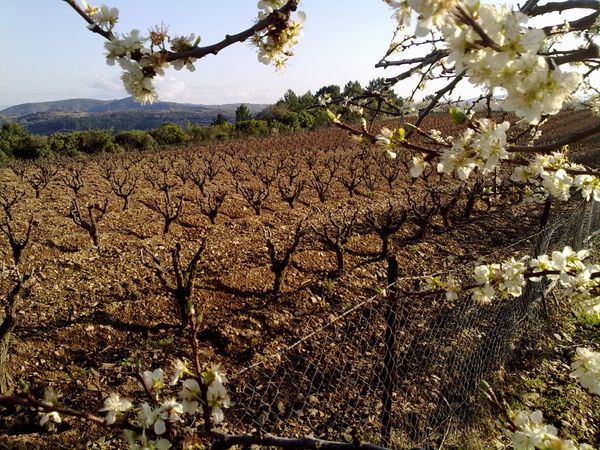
pixel 465 17
pixel 438 95
pixel 280 260
pixel 9 307
pixel 200 52
pixel 408 73
pixel 275 17
pixel 434 56
pixel 576 25
pixel 528 6
pixel 579 55
pixel 31 402
pixel 17 245
pixel 574 137
pixel 95 28
pixel 538 10
pixel 224 441
pixel 182 289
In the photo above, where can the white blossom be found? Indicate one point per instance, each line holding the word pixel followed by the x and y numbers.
pixel 179 370
pixel 141 442
pixel 480 147
pixel 153 418
pixel 51 418
pixel 182 44
pixel 267 7
pixel 114 405
pixel 541 264
pixel 549 172
pixel 136 82
pixel 173 409
pixel 191 395
pixel 512 275
pixel 276 45
pixel 105 17
pixel 484 294
pixel 154 381
pixel 586 368
pixel 124 47
pixel 419 165
pixel 217 396
pixel 531 431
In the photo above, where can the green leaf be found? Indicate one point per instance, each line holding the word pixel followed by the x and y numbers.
pixel 458 117
pixel 401 133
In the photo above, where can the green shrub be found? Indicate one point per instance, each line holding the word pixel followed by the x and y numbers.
pixel 3 158
pixel 136 140
pixel 11 136
pixel 93 142
pixel 169 134
pixel 222 131
pixel 219 120
pixel 63 144
pixel 32 147
pixel 252 127
pixel 199 134
pixel 320 117
pixel 306 119
pixel 291 120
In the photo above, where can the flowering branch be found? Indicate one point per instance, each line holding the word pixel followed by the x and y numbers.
pixel 275 17
pixel 200 52
pixel 32 402
pixel 106 34
pixel 222 440
pixel 274 34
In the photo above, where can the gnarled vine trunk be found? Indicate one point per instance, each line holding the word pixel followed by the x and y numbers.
pixel 6 327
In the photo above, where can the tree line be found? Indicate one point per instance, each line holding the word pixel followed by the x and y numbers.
pixel 292 112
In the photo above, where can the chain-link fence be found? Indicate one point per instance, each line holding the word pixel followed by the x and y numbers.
pixel 399 371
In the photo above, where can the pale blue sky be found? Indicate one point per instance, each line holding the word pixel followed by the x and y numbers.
pixel 49 54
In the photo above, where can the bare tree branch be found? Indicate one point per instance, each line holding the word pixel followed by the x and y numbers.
pixel 279 15
pixel 538 10
pixel 569 139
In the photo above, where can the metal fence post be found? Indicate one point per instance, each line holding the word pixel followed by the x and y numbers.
pixel 390 356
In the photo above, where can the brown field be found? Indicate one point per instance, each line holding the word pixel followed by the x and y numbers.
pixel 94 314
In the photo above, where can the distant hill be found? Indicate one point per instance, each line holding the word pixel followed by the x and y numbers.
pixel 118 115
pixel 63 122
pixel 75 104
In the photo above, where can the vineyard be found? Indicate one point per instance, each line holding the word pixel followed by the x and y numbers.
pixel 270 238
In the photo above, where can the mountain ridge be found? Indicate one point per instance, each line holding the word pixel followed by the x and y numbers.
pixel 89 105
pixel 117 115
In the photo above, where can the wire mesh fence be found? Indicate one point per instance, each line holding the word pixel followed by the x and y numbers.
pixel 399 371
